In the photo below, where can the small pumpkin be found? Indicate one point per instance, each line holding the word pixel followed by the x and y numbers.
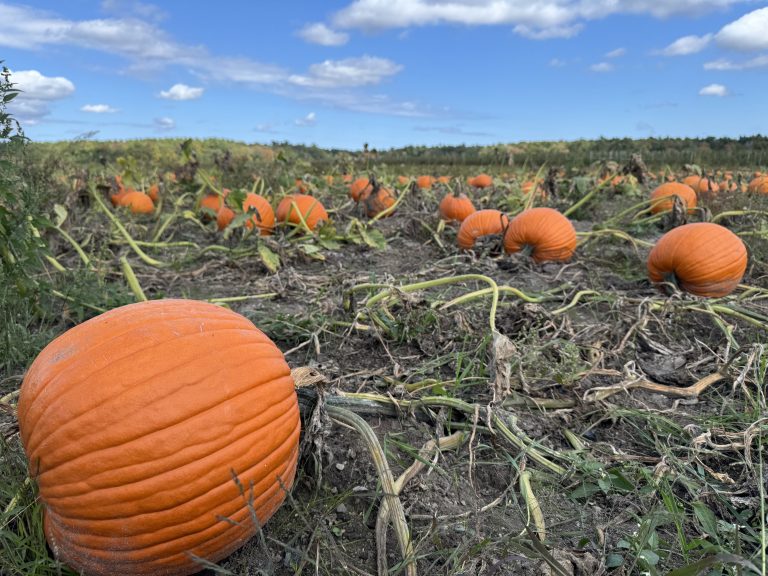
pixel 662 198
pixel 455 207
pixel 358 187
pixel 481 223
pixel 701 184
pixel 425 182
pixel 443 179
pixel 702 258
pixel 213 202
pixel 543 232
pixel 154 192
pixel 403 180
pixel 133 423
pixel 224 217
pixel 378 201
pixel 263 217
pixel 310 208
pixel 138 202
pixel 482 181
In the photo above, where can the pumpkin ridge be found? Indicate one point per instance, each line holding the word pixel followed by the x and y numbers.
pixel 72 389
pixel 68 457
pixel 59 497
pixel 116 316
pixel 147 520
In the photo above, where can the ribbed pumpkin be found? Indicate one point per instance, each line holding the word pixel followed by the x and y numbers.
pixel 478 224
pixel 309 207
pixel 224 217
pixel 263 217
pixel 701 184
pixel 482 181
pixel 703 258
pixel 759 184
pixel 425 182
pixel 358 187
pixel 134 422
pixel 376 202
pixel 662 198
pixel 545 232
pixel 456 207
pixel 138 202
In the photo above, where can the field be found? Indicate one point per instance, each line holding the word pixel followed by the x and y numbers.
pixel 555 418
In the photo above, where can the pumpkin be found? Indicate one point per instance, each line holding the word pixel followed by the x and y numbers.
pixel 138 202
pixel 456 207
pixel 224 217
pixel 662 198
pixel 358 187
pixel 134 423
pixel 443 179
pixel 309 207
pixel 403 180
pixel 482 181
pixel 377 201
pixel 301 186
pixel 700 184
pixel 425 182
pixel 212 202
pixel 263 217
pixel 346 178
pixel 758 184
pixel 154 192
pixel 117 197
pixel 478 224
pixel 543 232
pixel 703 258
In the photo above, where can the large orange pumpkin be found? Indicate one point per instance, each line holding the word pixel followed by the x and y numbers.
pixel 546 232
pixel 662 198
pixel 309 207
pixel 138 202
pixel 455 207
pixel 359 187
pixel 134 423
pixel 263 217
pixel 703 258
pixel 478 224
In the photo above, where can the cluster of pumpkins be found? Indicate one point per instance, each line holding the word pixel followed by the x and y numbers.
pixel 715 182
pixel 138 201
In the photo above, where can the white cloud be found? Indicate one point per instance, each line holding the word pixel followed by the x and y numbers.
pixel 548 32
pixel 724 64
pixel 747 34
pixel 363 71
pixel 37 92
pixel 602 67
pixel 687 45
pixel 35 85
pixel 532 15
pixel 308 120
pixel 618 53
pixel 319 33
pixel 266 128
pixel 133 7
pixel 181 92
pixel 714 90
pixel 557 63
pixel 99 108
pixel 164 124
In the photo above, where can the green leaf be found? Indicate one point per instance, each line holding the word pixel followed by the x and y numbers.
pixel 269 258
pixel 61 214
pixel 650 557
pixel 614 560
pixel 706 518
pixel 374 238
pixel 312 251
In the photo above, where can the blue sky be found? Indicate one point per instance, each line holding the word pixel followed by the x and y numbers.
pixel 388 72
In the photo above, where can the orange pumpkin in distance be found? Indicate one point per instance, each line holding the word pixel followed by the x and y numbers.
pixel 263 215
pixel 702 258
pixel 456 207
pixel 663 197
pixel 482 181
pixel 134 423
pixel 138 202
pixel 425 182
pixel 310 208
pixel 224 217
pixel 377 202
pixel 358 187
pixel 479 224
pixel 548 234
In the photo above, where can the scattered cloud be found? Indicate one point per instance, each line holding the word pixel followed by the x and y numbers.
pixel 134 8
pixel 181 92
pixel 714 90
pixel 164 124
pixel 687 45
pixel 602 67
pixel 37 92
pixel 99 109
pixel 747 34
pixel 618 53
pixel 363 71
pixel 645 128
pixel 266 128
pixel 547 33
pixel 319 33
pixel 542 15
pixel 725 64
pixel 308 120
pixel 557 63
